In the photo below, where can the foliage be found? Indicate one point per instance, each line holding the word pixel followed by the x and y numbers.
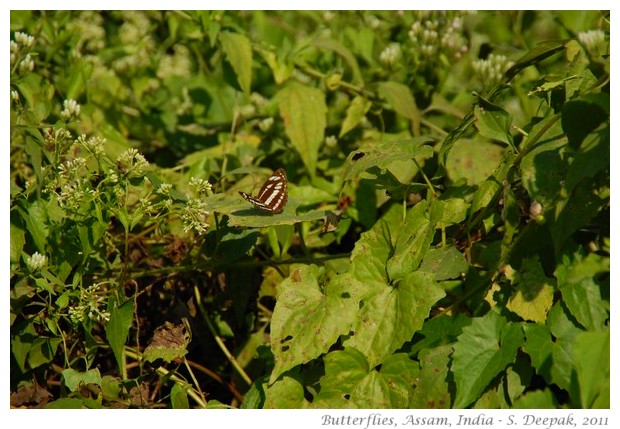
pixel 445 244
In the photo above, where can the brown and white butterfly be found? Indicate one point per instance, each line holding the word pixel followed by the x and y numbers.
pixel 273 195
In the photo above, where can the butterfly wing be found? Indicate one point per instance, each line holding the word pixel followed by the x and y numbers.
pixel 273 195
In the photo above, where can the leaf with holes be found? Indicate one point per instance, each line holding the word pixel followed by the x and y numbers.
pixel 307 320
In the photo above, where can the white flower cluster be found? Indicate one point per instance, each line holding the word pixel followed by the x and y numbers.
pixel 91 306
pixel 71 109
pixel 439 34
pixel 36 261
pixel 20 47
pixel 391 54
pixel 593 41
pixel 132 163
pixel 492 69
pixel 195 215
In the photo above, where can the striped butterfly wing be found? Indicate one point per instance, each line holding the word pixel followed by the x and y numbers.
pixel 273 195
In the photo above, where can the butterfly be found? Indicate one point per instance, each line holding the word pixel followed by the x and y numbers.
pixel 273 195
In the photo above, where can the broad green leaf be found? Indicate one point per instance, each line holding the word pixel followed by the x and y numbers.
pixel 242 213
pixel 574 211
pixel 431 388
pixel 543 399
pixel 75 379
pixel 254 398
pixel 483 197
pixel 550 347
pixel 400 373
pixel 591 158
pixel 483 350
pixel 117 329
pixel 238 51
pixel 392 314
pixel 580 291
pixel 582 115
pixel 534 295
pixel 178 397
pixel 304 113
pixel 591 354
pixel 440 330
pixel 412 241
pixel 285 393
pixel 453 211
pixel 543 167
pixel 493 122
pixel 42 351
pixel 372 250
pixel 356 111
pixel 400 98
pixel 307 320
pixel 35 219
pixel 344 369
pixel 382 154
pixel 444 263
pixel 18 239
pixel 348 381
pixel 473 160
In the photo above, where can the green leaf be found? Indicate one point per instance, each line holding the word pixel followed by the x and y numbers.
pixel 75 379
pixel 332 44
pixel 390 315
pixel 483 350
pixel 580 291
pixel 412 241
pixel 304 113
pixel 400 98
pixel 543 167
pixel 307 320
pixel 473 160
pixel 349 382
pixel 574 211
pixel 431 387
pixel 238 51
pixel 35 219
pixel 543 399
pixel 117 329
pixel 444 263
pixel 534 295
pixel 356 111
pixel 382 154
pixel 591 158
pixel 452 211
pixel 552 357
pixel 591 356
pixel 583 115
pixel 66 404
pixel 440 330
pixel 493 122
pixel 178 397
pixel 538 53
pixel 285 393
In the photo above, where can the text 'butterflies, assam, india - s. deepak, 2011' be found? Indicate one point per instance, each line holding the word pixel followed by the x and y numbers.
pixel 273 194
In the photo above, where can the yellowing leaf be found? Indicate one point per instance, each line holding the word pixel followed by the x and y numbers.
pixel 304 113
pixel 534 295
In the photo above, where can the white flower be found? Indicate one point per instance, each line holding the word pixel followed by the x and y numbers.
pixel 36 261
pixel 71 109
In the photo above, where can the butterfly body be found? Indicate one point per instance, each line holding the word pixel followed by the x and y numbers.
pixel 273 195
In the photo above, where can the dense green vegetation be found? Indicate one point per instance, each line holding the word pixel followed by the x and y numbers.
pixel 446 238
